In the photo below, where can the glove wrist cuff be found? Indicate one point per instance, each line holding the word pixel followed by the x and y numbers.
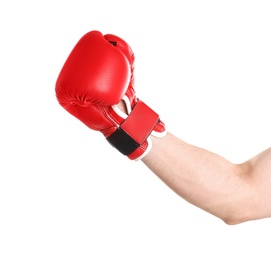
pixel 131 137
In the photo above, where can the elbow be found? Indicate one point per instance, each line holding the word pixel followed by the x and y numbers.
pixel 239 217
pixel 233 221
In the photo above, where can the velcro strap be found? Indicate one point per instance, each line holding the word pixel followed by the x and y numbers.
pixel 135 129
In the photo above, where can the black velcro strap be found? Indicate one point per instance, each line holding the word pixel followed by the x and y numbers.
pixel 122 142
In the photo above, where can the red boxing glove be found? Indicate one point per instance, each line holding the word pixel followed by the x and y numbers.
pixel 96 76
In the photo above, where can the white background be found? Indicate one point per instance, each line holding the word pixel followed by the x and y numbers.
pixel 204 66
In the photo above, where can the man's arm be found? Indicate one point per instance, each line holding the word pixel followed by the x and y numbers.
pixel 234 193
pixel 98 75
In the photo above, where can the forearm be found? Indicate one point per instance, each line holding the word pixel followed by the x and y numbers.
pixel 202 178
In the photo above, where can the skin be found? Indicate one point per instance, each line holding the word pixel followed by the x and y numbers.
pixel 235 193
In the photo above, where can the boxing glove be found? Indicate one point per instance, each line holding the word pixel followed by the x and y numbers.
pixel 96 76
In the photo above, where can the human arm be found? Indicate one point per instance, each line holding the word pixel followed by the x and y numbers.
pixel 234 193
pixel 97 78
